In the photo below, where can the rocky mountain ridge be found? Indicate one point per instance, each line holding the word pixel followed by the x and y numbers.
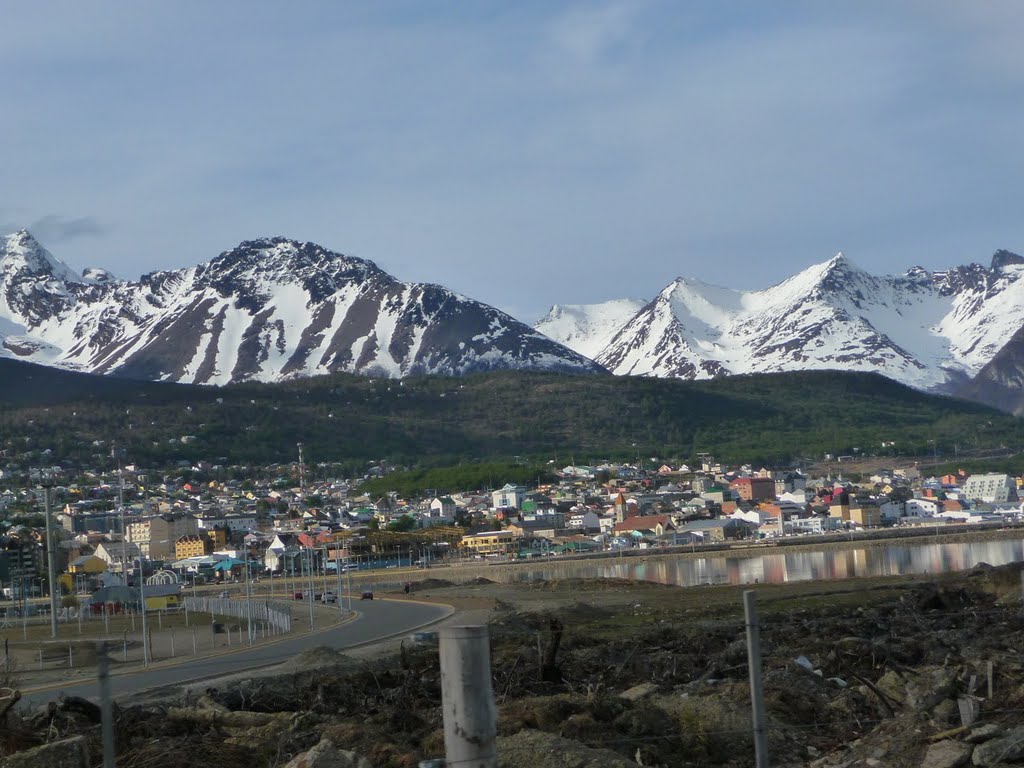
pixel 932 330
pixel 267 310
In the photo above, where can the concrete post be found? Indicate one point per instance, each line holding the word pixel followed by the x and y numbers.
pixel 467 700
pixel 106 716
pixel 756 681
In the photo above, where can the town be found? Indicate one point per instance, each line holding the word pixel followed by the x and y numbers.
pixel 203 525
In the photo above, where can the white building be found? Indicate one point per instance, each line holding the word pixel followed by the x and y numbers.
pixel 509 496
pixel 991 489
pixel 243 523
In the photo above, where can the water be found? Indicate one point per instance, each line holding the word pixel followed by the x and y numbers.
pixel 779 567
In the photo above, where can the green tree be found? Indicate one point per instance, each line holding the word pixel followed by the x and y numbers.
pixel 404 524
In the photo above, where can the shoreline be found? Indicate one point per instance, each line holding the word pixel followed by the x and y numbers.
pixel 464 572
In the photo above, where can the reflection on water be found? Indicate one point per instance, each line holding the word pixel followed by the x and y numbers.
pixel 790 566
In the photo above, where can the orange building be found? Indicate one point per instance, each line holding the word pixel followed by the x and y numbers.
pixel 754 488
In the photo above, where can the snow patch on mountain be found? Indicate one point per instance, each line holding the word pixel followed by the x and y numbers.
pixel 931 331
pixel 267 310
pixel 587 328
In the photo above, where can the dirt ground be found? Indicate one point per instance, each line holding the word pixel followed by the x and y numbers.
pixel 867 672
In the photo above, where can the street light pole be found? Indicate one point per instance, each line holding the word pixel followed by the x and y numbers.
pixel 51 556
pixel 142 599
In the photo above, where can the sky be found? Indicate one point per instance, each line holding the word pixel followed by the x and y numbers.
pixel 525 153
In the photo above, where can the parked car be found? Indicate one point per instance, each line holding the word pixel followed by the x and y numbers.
pixel 366 596
pixel 300 595
pixel 328 597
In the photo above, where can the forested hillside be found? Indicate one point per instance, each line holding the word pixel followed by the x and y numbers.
pixel 439 421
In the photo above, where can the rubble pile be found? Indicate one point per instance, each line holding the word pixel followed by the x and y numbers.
pixel 920 676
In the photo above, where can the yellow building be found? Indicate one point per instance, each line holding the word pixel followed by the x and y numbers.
pixel 87 564
pixel 489 542
pixel 190 546
pixel 866 516
pixel 218 537
pixel 160 597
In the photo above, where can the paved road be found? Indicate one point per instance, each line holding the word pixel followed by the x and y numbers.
pixel 378 619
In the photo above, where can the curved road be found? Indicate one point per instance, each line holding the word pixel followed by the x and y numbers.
pixel 376 620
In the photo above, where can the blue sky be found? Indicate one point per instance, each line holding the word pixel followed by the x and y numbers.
pixel 522 153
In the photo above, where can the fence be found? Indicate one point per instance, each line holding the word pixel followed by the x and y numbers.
pixel 276 616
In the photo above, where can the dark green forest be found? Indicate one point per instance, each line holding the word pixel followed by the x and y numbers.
pixel 443 422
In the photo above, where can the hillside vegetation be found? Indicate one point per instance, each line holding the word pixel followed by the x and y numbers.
pixel 439 421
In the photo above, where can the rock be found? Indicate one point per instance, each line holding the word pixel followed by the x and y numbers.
pixel 893 686
pixel 327 755
pixel 1004 749
pixel 545 750
pixel 68 753
pixel 984 733
pixel 946 713
pixel 638 692
pixel 947 754
pixel 930 688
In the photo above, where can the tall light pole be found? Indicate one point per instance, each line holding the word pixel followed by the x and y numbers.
pixel 311 588
pixel 46 480
pixel 142 599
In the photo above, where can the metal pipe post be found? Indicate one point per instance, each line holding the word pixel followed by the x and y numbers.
pixel 467 700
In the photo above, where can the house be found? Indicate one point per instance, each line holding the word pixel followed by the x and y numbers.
pixel 716 530
pixel 114 554
pixel 659 524
pixel 922 507
pixel 440 512
pixel 443 506
pixel 587 521
pixel 509 496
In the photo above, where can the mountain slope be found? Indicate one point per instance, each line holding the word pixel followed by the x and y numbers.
pixel 931 331
pixel 443 420
pixel 587 328
pixel 1000 383
pixel 267 310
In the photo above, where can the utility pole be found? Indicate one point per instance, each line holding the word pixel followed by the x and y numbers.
pixel 337 570
pixel 311 589
pixel 142 599
pixel 248 599
pixel 46 479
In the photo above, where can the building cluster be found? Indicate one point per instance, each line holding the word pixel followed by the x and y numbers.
pixel 116 527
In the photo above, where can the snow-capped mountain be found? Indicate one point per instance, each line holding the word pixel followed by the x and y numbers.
pixel 588 328
pixel 933 331
pixel 267 310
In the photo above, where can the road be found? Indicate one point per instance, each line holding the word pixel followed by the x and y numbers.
pixel 378 620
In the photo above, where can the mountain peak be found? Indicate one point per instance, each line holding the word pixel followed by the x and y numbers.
pixel 1003 258
pixel 277 255
pixel 21 253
